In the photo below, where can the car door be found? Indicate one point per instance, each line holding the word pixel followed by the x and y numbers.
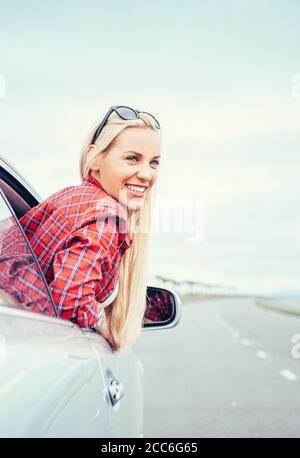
pixel 117 394
pixel 122 373
pixel 51 384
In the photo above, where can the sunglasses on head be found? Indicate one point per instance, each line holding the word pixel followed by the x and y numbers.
pixel 126 113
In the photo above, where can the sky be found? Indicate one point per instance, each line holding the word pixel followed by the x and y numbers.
pixel 223 78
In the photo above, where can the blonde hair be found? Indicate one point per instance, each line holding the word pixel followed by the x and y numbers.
pixel 126 313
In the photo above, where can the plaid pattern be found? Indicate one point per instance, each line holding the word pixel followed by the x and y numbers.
pixel 78 235
pixel 20 277
pixel 159 306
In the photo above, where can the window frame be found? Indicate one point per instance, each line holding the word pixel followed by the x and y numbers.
pixel 16 221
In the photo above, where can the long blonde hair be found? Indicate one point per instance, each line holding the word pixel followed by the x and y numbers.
pixel 125 314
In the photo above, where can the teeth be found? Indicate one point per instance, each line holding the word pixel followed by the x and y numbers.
pixel 136 189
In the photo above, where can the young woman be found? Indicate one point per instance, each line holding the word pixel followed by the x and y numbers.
pixel 91 240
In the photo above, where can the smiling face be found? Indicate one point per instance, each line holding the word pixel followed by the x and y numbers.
pixel 130 167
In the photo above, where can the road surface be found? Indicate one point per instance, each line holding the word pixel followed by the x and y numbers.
pixel 227 370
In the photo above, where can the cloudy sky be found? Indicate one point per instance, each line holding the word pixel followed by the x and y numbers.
pixel 223 78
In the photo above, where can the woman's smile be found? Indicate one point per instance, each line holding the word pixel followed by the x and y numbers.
pixel 136 190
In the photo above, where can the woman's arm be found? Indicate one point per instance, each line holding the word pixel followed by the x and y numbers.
pixel 77 269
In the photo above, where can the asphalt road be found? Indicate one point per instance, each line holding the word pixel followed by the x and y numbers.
pixel 226 370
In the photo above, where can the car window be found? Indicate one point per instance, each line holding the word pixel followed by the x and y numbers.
pixel 22 284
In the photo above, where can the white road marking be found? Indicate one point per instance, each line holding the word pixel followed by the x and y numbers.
pixel 262 354
pixel 234 404
pixel 288 375
pixel 246 342
pixel 236 335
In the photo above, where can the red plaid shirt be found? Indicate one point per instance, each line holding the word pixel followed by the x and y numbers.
pixel 79 235
pixel 20 277
pixel 159 305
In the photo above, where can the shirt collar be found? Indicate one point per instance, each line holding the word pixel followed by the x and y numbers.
pixel 94 181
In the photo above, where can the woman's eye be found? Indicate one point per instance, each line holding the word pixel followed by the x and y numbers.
pixel 130 158
pixel 135 159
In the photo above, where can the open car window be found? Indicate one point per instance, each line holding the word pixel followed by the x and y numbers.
pixel 22 284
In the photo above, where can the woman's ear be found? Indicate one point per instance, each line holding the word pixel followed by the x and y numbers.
pixel 90 148
pixel 89 151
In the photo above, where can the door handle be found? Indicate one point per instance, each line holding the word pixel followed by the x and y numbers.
pixel 116 391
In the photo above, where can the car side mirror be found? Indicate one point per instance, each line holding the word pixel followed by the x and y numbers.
pixel 163 308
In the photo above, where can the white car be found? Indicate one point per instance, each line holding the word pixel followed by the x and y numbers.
pixel 57 379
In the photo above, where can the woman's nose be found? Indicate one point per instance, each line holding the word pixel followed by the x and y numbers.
pixel 145 173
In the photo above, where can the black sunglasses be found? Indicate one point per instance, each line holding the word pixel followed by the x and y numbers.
pixel 126 113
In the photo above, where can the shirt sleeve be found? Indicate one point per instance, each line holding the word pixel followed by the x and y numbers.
pixel 77 269
pixel 20 280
